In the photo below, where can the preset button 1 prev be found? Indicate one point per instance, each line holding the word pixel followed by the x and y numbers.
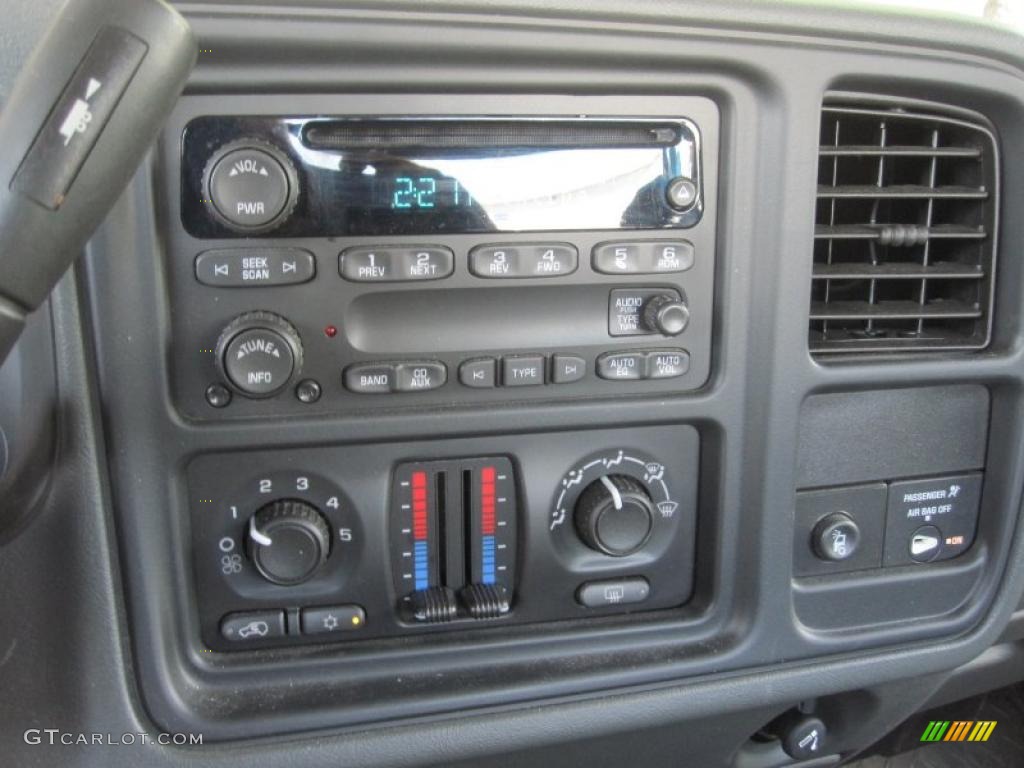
pixel 396 263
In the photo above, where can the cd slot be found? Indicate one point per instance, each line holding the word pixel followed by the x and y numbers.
pixel 463 134
pixel 452 320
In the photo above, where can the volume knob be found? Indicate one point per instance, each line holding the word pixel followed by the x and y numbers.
pixel 258 353
pixel 251 185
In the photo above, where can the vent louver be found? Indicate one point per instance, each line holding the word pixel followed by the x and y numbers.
pixel 904 237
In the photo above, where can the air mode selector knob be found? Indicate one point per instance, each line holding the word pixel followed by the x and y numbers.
pixel 288 541
pixel 258 353
pixel 614 515
pixel 666 314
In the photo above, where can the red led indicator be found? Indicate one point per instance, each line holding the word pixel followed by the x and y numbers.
pixel 419 505
pixel 331 331
pixel 487 475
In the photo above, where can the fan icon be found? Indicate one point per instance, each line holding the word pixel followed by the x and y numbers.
pixel 330 622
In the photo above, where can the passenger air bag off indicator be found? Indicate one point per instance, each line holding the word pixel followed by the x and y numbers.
pixel 931 520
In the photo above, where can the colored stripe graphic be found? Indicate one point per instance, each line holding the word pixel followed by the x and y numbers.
pixel 935 731
pixel 487 505
pixel 958 730
pixel 982 730
pixel 419 529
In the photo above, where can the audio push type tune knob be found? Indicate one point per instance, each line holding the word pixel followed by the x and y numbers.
pixel 666 314
pixel 288 541
pixel 259 353
pixel 614 515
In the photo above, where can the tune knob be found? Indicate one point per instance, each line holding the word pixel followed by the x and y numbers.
pixel 259 353
pixel 666 314
pixel 614 515
pixel 288 541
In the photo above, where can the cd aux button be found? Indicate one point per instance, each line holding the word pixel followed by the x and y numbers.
pixel 420 376
pixel 523 260
pixel 387 264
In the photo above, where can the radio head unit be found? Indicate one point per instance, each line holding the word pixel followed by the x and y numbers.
pixel 316 176
pixel 348 261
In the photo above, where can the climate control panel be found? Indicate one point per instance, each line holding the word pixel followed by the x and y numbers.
pixel 343 543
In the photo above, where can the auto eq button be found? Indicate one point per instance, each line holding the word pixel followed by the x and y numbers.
pixel 622 366
pixel 252 627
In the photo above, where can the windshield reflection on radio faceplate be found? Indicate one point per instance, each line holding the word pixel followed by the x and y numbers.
pixel 550 190
pixel 503 191
pixel 367 189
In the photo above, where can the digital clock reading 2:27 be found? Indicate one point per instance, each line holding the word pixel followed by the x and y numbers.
pixel 427 192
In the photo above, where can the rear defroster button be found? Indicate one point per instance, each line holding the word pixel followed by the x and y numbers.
pixel 603 594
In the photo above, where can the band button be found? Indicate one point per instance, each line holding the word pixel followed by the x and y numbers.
pixel 370 378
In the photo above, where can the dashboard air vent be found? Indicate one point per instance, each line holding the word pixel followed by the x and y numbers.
pixel 904 236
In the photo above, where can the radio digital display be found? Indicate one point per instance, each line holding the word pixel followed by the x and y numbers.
pixel 361 177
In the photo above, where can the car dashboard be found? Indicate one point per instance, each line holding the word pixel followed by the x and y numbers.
pixel 477 383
